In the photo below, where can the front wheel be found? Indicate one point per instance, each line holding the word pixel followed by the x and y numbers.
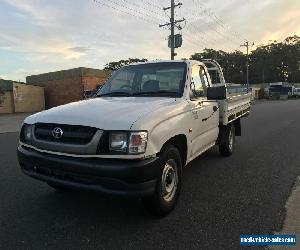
pixel 168 183
pixel 227 140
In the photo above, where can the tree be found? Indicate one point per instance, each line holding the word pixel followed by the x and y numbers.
pixel 233 64
pixel 119 64
pixel 275 62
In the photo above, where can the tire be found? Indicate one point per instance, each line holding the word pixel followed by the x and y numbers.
pixel 57 187
pixel 227 140
pixel 168 183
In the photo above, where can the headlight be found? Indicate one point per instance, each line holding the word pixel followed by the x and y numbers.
pixel 26 133
pixel 118 142
pixel 131 142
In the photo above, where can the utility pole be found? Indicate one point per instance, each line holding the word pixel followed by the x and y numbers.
pixel 172 42
pixel 172 29
pixel 246 44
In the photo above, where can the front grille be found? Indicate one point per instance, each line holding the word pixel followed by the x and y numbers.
pixel 72 134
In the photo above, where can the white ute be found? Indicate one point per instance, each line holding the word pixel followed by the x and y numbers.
pixel 144 125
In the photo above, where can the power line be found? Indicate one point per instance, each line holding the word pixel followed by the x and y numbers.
pixel 150 13
pixel 129 11
pixel 213 28
pixel 205 35
pixel 147 10
pixel 208 12
pixel 152 4
pixel 216 26
pixel 194 33
pixel 193 42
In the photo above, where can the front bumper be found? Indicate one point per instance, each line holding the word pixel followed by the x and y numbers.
pixel 112 176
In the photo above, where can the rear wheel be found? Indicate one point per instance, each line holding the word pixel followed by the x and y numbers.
pixel 168 183
pixel 227 140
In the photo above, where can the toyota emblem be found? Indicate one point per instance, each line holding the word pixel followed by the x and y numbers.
pixel 57 133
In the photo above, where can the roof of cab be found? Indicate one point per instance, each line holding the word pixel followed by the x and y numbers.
pixel 166 61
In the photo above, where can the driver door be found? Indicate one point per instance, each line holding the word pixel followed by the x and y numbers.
pixel 205 120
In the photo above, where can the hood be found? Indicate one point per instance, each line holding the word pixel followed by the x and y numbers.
pixel 108 113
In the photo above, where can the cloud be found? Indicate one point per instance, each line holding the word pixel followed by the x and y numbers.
pixel 3 76
pixel 260 21
pixel 54 35
pixel 35 11
pixel 46 46
pixel 80 49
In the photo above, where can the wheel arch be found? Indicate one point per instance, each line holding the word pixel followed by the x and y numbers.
pixel 180 142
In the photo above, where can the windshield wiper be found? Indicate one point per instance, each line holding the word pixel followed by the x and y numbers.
pixel 159 92
pixel 117 93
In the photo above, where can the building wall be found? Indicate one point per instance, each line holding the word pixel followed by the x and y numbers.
pixel 59 92
pixel 28 98
pixel 67 86
pixel 6 102
pixel 91 83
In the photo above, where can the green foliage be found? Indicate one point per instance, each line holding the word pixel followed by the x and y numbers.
pixel 233 64
pixel 275 62
pixel 119 64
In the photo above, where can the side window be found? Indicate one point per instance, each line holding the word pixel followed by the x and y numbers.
pixel 203 77
pixel 198 86
pixel 214 76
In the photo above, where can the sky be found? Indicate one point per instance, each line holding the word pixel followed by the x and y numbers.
pixel 39 36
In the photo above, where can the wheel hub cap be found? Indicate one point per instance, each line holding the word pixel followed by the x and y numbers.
pixel 169 180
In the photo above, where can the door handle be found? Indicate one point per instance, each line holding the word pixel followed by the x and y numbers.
pixel 215 108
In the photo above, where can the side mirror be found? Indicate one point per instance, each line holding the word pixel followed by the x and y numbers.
pixel 216 93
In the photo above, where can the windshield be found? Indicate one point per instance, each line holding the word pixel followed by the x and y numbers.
pixel 152 79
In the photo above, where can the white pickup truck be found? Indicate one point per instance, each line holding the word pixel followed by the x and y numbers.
pixel 144 125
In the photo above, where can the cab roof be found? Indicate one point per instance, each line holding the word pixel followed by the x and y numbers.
pixel 167 61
